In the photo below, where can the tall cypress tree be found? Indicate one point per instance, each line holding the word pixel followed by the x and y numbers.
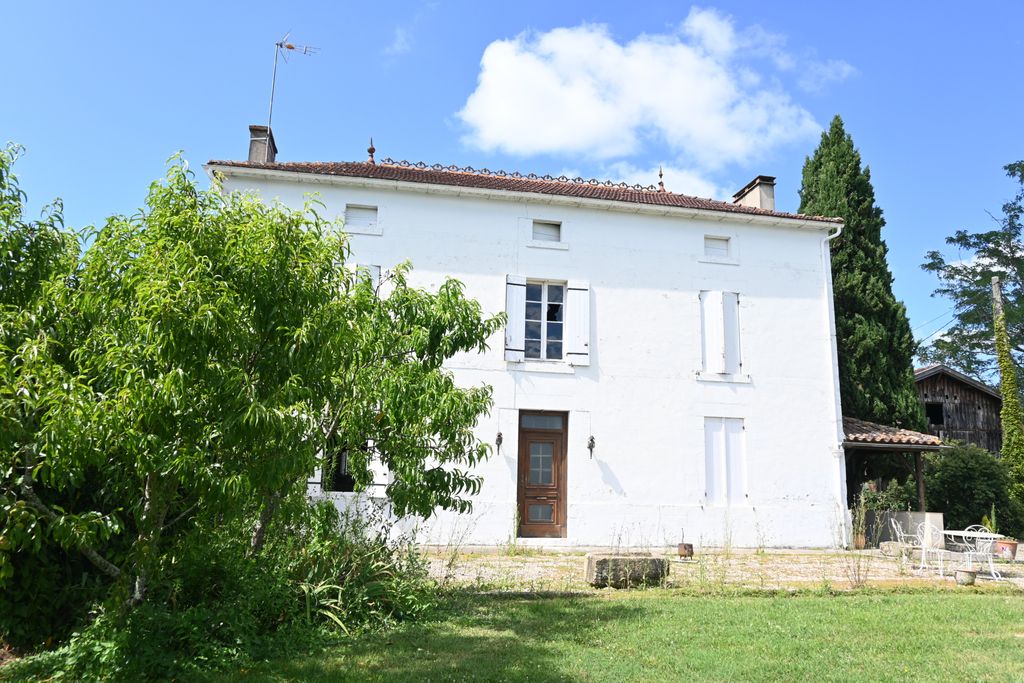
pixel 875 344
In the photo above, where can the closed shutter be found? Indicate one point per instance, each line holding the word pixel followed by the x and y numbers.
pixel 731 332
pixel 373 271
pixel 361 219
pixel 577 313
pixel 713 332
pixel 714 460
pixel 515 307
pixel 737 461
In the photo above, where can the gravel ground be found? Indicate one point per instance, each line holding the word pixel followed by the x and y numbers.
pixel 525 569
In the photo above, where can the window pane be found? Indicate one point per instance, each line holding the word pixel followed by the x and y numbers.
pixel 540 463
pixel 540 513
pixel 532 311
pixel 532 348
pixel 533 292
pixel 554 350
pixel 533 330
pixel 554 331
pixel 555 293
pixel 542 421
pixel 554 312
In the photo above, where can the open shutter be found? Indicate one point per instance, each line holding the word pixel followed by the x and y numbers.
pixel 712 327
pixel 515 307
pixel 731 331
pixel 373 271
pixel 577 313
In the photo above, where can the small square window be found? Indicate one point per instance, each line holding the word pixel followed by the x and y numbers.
pixel 361 220
pixel 716 247
pixel 547 231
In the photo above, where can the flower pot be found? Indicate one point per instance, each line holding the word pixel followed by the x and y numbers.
pixel 685 550
pixel 860 541
pixel 1006 549
pixel 966 577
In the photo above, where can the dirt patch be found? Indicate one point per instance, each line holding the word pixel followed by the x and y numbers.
pixel 771 570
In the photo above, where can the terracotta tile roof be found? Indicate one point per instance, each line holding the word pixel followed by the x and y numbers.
pixel 514 182
pixel 862 431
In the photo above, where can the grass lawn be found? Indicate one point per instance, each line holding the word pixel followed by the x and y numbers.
pixel 665 636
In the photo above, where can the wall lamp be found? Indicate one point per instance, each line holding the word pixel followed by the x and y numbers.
pixel 497 442
pixel 591 443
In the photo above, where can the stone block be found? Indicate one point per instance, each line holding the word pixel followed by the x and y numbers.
pixel 624 570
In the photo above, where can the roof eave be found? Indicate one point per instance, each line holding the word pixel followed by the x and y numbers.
pixel 892 447
pixel 512 195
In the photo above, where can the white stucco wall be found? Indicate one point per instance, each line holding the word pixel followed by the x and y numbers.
pixel 640 397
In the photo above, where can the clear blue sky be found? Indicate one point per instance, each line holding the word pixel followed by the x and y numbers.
pixel 102 93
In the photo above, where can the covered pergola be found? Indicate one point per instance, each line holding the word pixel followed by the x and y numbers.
pixel 866 440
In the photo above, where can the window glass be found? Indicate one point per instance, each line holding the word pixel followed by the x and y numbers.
pixel 541 463
pixel 545 313
pixel 542 421
pixel 540 513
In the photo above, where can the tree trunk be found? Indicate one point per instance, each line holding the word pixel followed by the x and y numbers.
pixel 154 510
pixel 259 534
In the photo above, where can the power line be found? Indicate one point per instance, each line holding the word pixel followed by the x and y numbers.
pixel 941 315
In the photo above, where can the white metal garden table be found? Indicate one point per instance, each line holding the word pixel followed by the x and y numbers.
pixel 976 541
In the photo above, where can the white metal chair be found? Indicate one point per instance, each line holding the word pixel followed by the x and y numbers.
pixel 971 545
pixel 906 542
pixel 931 542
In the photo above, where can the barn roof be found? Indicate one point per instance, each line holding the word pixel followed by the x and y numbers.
pixel 940 369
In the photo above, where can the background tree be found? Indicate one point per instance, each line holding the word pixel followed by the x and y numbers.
pixel 1011 416
pixel 874 339
pixel 968 343
pixel 965 482
pixel 187 372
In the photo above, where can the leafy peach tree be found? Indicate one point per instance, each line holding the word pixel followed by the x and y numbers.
pixel 191 366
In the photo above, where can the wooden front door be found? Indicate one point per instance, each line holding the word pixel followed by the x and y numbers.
pixel 542 472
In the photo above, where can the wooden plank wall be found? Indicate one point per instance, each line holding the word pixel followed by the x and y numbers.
pixel 970 415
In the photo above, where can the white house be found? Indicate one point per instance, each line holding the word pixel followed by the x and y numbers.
pixel 669 363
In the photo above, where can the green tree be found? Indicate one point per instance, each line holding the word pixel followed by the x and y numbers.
pixel 968 343
pixel 874 340
pixel 191 368
pixel 1011 415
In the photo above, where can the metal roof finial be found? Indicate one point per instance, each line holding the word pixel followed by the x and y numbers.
pixel 370 150
pixel 661 176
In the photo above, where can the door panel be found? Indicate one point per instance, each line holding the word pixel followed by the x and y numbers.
pixel 542 476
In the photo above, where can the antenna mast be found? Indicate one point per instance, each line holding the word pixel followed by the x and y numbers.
pixel 283 44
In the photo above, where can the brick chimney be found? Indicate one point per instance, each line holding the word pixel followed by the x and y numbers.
pixel 758 193
pixel 262 148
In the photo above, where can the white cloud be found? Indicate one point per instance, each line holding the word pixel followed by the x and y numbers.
pixel 704 94
pixel 400 43
pixel 815 76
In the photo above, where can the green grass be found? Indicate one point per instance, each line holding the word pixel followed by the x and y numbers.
pixel 667 635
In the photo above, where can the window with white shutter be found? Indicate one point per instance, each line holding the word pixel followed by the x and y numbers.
pixel 725 461
pixel 361 220
pixel 547 231
pixel 720 333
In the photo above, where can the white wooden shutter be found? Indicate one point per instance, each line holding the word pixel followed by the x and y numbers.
pixel 731 332
pixel 374 272
pixel 577 328
pixel 713 332
pixel 515 307
pixel 714 460
pixel 736 461
pixel 378 470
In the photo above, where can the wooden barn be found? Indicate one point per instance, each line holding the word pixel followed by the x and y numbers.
pixel 959 407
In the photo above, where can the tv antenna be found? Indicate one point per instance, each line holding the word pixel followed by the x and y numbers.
pixel 281 49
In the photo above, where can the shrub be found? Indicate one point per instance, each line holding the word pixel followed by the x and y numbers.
pixel 964 482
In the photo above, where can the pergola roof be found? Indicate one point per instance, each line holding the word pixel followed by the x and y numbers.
pixel 863 434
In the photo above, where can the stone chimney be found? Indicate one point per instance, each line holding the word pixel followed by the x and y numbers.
pixel 758 193
pixel 262 148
